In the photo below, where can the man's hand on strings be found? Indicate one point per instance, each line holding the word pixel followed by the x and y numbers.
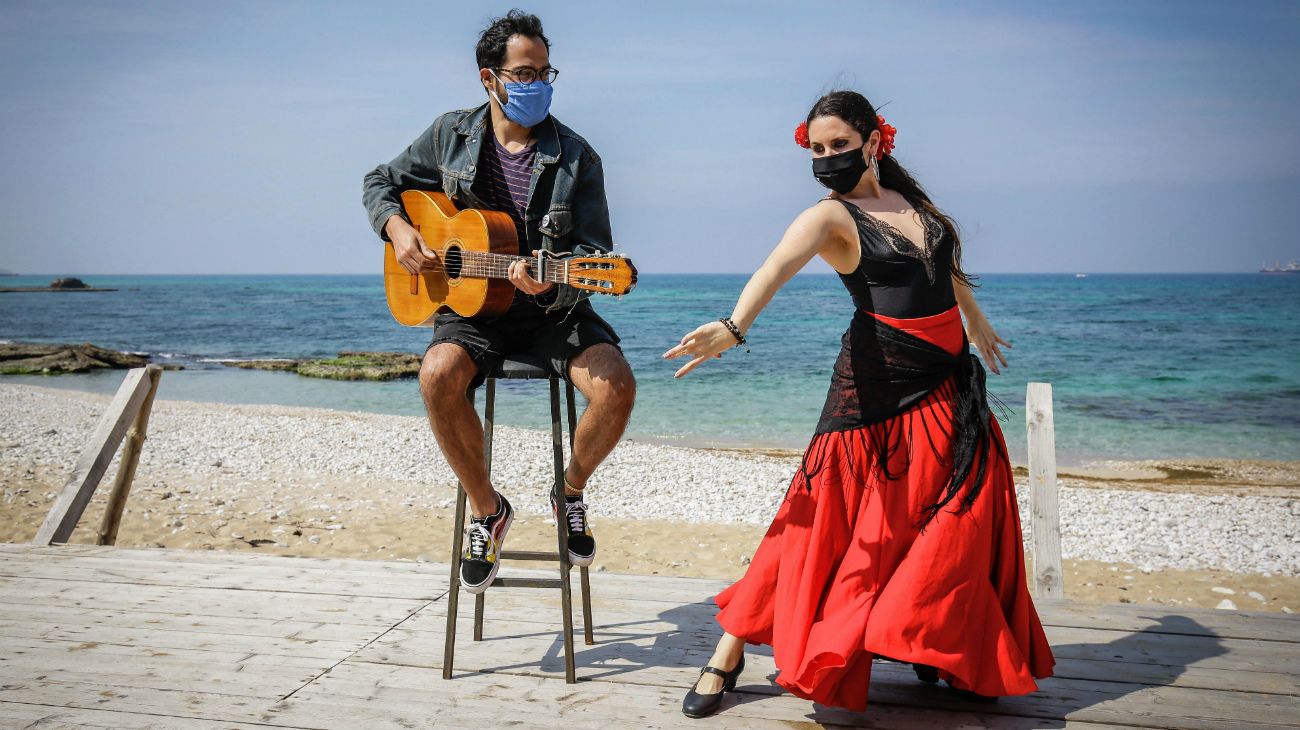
pixel 525 282
pixel 701 344
pixel 408 246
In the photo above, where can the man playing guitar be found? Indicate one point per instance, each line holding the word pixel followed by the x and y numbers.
pixel 510 155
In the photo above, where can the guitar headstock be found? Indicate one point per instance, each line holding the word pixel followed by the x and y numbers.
pixel 608 273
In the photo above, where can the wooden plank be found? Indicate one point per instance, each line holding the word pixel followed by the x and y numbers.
pixel 354 695
pixel 165 639
pixel 619 618
pixel 663 588
pixel 1267 626
pixel 266 683
pixel 652 706
pixel 232 577
pixel 19 714
pixel 50 650
pixel 513 649
pixel 1124 666
pixel 1045 521
pixel 31 623
pixel 1225 624
pixel 130 459
pixel 94 460
pixel 12 551
pixel 1098 702
pixel 208 602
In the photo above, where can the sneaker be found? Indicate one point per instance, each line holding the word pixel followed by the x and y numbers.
pixel 582 546
pixel 484 538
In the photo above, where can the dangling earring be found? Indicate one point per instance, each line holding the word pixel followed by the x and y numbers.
pixel 875 168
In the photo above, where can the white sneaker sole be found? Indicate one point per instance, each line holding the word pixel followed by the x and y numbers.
pixel 581 562
pixel 492 574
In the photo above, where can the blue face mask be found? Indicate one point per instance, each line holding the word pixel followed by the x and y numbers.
pixel 527 104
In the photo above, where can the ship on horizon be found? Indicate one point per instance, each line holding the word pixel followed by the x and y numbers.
pixel 1292 267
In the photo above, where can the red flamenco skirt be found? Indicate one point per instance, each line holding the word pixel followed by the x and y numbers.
pixel 843 574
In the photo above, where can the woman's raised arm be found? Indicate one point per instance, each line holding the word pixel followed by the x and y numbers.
pixel 809 235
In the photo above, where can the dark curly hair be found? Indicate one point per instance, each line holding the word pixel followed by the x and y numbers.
pixel 854 109
pixel 490 50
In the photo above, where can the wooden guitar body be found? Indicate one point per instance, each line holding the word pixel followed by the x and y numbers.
pixel 450 283
pixel 474 250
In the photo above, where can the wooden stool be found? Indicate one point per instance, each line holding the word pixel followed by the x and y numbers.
pixel 523 367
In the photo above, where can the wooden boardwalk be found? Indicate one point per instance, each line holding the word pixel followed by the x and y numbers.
pixel 126 638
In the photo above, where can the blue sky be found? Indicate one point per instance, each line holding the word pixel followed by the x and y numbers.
pixel 231 137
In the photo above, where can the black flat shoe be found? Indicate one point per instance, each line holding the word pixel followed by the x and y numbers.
pixel 698 705
pixel 969 696
pixel 926 673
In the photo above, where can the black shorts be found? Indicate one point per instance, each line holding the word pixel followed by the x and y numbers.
pixel 555 338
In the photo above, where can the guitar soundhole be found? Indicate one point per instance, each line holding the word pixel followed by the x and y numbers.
pixel 451 259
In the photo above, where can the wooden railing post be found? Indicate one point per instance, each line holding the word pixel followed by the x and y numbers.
pixel 126 470
pixel 136 390
pixel 1045 520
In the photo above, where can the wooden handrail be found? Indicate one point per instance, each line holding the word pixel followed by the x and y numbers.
pixel 129 408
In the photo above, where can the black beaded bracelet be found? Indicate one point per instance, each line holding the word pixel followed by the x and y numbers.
pixel 735 331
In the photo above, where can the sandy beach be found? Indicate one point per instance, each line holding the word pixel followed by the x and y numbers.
pixel 314 482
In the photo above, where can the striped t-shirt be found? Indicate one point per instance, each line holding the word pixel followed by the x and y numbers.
pixel 506 176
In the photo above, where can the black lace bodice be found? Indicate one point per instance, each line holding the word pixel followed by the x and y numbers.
pixel 894 277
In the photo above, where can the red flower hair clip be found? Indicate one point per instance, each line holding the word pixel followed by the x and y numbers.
pixel 887 134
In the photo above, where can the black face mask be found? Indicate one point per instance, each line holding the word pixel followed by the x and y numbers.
pixel 841 172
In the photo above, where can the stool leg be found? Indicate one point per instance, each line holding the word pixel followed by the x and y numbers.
pixel 566 595
pixel 586 581
pixel 586 607
pixel 453 591
pixel 453 587
pixel 573 412
pixel 489 415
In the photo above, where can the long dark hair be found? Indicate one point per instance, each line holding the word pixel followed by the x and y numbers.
pixel 858 113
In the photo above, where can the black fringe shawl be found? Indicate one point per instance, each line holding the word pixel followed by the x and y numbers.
pixel 883 371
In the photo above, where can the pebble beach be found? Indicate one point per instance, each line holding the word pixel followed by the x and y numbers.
pixel 305 481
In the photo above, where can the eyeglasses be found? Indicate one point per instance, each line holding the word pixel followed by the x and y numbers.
pixel 528 74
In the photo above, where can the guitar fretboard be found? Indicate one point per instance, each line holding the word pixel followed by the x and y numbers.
pixel 485 265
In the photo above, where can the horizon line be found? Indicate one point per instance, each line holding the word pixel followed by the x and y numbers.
pixel 650 273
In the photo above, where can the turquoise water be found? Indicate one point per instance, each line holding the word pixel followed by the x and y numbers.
pixel 1142 366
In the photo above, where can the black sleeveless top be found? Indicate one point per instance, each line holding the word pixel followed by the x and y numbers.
pixel 894 277
pixel 883 370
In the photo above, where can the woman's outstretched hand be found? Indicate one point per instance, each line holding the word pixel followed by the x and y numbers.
pixel 700 344
pixel 986 340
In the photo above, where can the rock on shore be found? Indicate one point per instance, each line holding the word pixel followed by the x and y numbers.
pixel 24 359
pixel 347 366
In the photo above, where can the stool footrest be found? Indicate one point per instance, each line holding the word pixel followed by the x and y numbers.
pixel 529 555
pixel 526 583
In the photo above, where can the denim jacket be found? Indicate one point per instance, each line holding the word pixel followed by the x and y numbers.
pixel 567 210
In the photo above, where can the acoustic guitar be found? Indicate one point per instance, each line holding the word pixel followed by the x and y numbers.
pixel 474 250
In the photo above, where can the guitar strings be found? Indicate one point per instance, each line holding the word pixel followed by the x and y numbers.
pixel 485 264
pixel 478 272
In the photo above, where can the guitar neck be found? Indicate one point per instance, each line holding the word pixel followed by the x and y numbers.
pixel 485 265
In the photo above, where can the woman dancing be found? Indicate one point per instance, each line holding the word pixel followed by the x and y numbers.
pixel 898 536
